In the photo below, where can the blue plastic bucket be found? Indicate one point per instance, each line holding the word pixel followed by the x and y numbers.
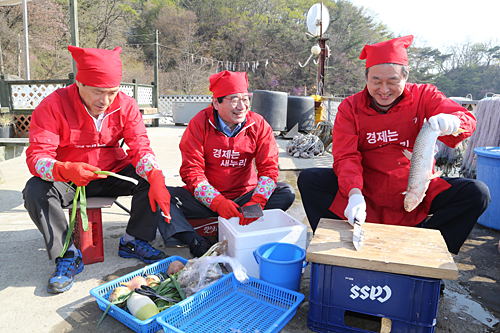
pixel 281 264
pixel 488 171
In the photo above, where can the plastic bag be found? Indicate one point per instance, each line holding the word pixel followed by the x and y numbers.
pixel 202 272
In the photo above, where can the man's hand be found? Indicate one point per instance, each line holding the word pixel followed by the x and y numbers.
pixel 445 123
pixel 158 193
pixel 77 172
pixel 256 199
pixel 356 209
pixel 225 207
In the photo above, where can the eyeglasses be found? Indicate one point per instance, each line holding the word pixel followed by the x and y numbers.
pixel 235 100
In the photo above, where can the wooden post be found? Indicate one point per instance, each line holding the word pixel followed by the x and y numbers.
pixel 4 93
pixel 135 89
pixel 71 78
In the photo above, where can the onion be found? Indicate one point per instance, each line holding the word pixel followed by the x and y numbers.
pixel 175 267
pixel 136 282
pixel 152 280
pixel 119 291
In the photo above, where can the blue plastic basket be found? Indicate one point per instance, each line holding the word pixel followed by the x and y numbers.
pixel 231 306
pixel 102 293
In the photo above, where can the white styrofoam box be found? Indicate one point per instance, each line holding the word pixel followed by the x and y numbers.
pixel 274 226
pixel 182 112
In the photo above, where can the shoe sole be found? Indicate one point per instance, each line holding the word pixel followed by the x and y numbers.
pixel 133 255
pixel 58 291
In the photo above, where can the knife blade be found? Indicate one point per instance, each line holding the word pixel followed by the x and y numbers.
pixel 251 211
pixel 358 235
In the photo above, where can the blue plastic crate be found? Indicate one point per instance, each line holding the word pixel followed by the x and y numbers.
pixel 231 306
pixel 410 302
pixel 102 293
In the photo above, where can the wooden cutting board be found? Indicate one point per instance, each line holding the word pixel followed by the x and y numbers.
pixel 387 248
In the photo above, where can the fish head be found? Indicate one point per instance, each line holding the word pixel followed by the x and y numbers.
pixel 411 201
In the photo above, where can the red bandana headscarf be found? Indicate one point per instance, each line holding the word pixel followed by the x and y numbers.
pixel 98 67
pixel 226 83
pixel 392 51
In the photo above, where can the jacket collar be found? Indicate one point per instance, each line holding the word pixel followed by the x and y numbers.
pixel 211 113
pixel 78 103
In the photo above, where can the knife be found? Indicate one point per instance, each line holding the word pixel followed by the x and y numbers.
pixel 251 211
pixel 358 234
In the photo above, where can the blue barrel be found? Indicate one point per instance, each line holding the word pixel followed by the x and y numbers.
pixel 488 171
pixel 281 264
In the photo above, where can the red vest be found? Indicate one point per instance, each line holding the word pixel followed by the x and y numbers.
pixel 368 154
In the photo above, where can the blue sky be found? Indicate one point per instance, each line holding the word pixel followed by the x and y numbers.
pixel 439 23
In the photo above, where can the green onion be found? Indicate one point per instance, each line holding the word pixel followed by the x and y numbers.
pixel 83 209
pixel 109 173
pixel 177 286
pixel 119 300
pixel 80 191
pixel 72 222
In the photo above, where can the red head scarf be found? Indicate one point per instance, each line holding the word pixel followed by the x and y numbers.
pixel 392 51
pixel 98 67
pixel 226 83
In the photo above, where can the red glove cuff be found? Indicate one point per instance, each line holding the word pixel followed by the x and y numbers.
pixel 257 199
pixel 216 201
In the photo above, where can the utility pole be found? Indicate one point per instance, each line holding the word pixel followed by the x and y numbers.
pixel 26 42
pixel 156 84
pixel 19 55
pixel 1 58
pixel 75 40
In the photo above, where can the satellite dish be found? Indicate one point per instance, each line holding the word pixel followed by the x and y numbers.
pixel 318 19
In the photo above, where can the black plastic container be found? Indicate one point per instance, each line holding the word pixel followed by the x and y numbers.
pixel 300 111
pixel 272 105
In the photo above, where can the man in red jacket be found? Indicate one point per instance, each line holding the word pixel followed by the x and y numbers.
pixel 75 131
pixel 370 172
pixel 218 149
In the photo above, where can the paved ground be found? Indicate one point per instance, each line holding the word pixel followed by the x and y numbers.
pixel 471 304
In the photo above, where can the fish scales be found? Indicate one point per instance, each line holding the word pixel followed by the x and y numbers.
pixel 421 166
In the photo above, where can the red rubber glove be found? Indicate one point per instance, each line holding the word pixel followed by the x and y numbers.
pixel 256 199
pixel 225 207
pixel 77 172
pixel 158 193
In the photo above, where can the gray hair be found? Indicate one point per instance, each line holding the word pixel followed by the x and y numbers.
pixel 404 69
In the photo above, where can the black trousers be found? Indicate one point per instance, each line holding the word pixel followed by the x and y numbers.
pixel 454 211
pixel 183 206
pixel 44 201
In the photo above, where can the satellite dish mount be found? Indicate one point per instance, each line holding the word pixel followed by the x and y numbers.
pixel 318 20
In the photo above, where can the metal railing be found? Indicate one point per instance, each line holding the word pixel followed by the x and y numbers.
pixel 23 96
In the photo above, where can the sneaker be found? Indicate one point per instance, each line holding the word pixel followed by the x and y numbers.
pixel 141 250
pixel 66 267
pixel 199 247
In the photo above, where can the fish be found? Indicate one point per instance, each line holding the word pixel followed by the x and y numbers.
pixel 421 165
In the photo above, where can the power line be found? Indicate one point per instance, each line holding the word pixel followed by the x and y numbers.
pixel 221 64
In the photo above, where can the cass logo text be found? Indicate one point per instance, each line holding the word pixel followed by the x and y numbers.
pixel 378 293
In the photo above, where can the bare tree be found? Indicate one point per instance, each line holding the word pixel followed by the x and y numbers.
pixel 181 53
